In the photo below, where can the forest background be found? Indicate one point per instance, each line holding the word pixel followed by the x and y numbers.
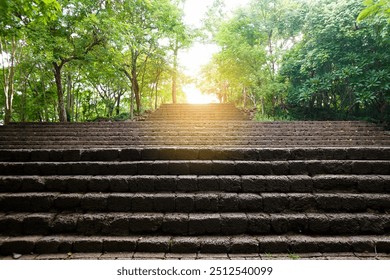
pixel 86 60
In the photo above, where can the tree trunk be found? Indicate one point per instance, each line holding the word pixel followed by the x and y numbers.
pixel 118 104
pixel 174 75
pixel 156 92
pixel 134 81
pixel 8 77
pixel 244 95
pixel 69 98
pixel 135 90
pixel 60 93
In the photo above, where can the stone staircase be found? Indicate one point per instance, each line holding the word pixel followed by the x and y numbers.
pixel 183 182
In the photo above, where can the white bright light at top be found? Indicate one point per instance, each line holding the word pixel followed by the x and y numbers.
pixel 200 54
pixel 194 96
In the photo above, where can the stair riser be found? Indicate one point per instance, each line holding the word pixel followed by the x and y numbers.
pixel 188 184
pixel 225 245
pixel 198 168
pixel 190 203
pixel 174 153
pixel 194 224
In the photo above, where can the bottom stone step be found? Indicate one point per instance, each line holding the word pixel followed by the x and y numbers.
pixel 284 244
pixel 198 256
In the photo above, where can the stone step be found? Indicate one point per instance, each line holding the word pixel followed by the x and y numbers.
pixel 199 167
pixel 193 224
pixel 180 124
pixel 165 129
pixel 192 184
pixel 138 134
pixel 193 153
pixel 202 202
pixel 272 244
pixel 191 143
pixel 216 111
pixel 188 138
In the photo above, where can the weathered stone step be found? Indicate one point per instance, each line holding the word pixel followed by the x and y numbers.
pixel 188 184
pixel 190 143
pixel 204 202
pixel 139 134
pixel 193 224
pixel 183 126
pixel 180 111
pixel 202 244
pixel 198 167
pixel 188 138
pixel 193 153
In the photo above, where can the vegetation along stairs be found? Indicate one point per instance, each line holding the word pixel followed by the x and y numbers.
pixel 195 178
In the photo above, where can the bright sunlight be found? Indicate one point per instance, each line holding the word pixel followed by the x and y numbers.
pixel 195 96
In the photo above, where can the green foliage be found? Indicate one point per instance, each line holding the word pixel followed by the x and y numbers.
pixel 375 8
pixel 340 70
pixel 89 46
pixel 252 44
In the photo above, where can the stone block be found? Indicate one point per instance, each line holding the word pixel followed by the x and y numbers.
pixel 200 224
pixel 228 202
pixel 185 245
pixel 318 223
pixel 47 245
pixel 19 245
pixel 223 167
pixel 130 154
pixel 230 184
pixel 166 183
pixel 126 168
pixel 271 244
pixel 37 224
pixel 235 223
pixel 201 167
pixel 142 203
pixel 90 224
pixel 245 244
pixel 206 202
pixel 184 203
pixel 67 201
pixel 120 244
pixel 178 168
pixel 119 202
pixel 64 224
pixel 275 203
pixel 163 203
pixel 145 222
pixel 259 223
pixel 208 183
pixel 187 183
pixel 154 244
pixel 93 202
pixel 88 245
pixel 215 245
pixel 160 167
pixel 250 202
pixel 116 225
pixel 176 223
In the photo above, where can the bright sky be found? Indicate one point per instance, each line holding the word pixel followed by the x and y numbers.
pixel 200 54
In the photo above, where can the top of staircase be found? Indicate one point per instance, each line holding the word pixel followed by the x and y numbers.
pixel 213 111
pixel 178 125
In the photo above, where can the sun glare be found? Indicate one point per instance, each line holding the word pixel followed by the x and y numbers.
pixel 195 96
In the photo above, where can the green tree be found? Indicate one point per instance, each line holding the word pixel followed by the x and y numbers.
pixel 252 44
pixel 340 68
pixel 375 8
pixel 16 19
